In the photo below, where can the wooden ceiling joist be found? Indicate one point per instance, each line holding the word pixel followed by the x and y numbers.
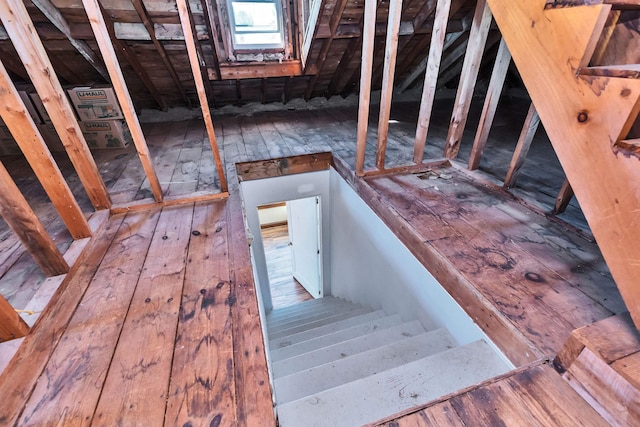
pixel 564 198
pixel 212 31
pixel 21 125
pixel 498 75
pixel 103 38
pixel 53 14
pixel 13 65
pixel 25 224
pixel 36 61
pixel 390 55
pixel 149 25
pixel 126 52
pixel 473 57
pixel 185 20
pixel 431 77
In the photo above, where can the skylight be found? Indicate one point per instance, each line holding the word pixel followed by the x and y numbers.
pixel 256 24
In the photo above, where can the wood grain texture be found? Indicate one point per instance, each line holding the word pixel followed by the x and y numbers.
pixel 248 171
pixel 78 366
pixel 11 324
pixel 21 378
pixel 18 24
pixel 25 224
pixel 581 142
pixel 529 129
pixel 202 389
pixel 137 383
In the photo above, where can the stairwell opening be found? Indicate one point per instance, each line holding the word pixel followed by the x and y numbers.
pixel 385 337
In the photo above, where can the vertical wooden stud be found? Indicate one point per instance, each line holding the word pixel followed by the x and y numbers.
pixel 522 147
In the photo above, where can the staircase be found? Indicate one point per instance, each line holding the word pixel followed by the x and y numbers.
pixel 336 363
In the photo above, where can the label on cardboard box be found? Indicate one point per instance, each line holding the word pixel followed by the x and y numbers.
pixel 106 134
pixel 95 103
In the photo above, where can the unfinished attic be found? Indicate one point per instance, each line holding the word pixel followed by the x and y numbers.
pixel 319 212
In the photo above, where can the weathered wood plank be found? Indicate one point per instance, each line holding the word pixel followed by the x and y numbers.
pixel 202 389
pixel 248 171
pixel 20 217
pixel 136 387
pixel 18 24
pixel 470 68
pixel 253 391
pixel 79 364
pixel 19 378
pixel 564 198
pixel 103 39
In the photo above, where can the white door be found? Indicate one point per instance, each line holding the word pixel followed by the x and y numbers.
pixel 303 216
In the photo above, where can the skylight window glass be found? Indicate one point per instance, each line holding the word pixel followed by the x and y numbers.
pixel 256 24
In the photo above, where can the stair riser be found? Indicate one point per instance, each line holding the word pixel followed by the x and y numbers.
pixel 288 329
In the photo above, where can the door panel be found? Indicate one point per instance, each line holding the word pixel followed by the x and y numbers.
pixel 304 238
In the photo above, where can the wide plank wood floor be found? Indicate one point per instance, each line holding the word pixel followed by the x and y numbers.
pixel 285 289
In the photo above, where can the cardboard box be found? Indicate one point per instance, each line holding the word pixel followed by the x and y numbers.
pixel 106 134
pixel 37 102
pixel 50 136
pixel 95 103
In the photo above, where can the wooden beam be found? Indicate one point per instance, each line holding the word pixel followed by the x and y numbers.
pixel 257 70
pixel 11 324
pixel 53 14
pixel 200 56
pixel 13 64
pixel 23 221
pixel 564 198
pixel 128 55
pixel 183 10
pixel 103 39
pixel 368 39
pixel 24 130
pixel 260 169
pixel 529 128
pixel 390 54
pixel 313 23
pixel 43 76
pixel 345 60
pixel 473 57
pixel 582 116
pixel 431 77
pixel 336 16
pixel 212 31
pixel 148 24
pixel 498 75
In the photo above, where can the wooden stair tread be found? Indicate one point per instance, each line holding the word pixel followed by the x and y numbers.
pixel 325 322
pixel 301 344
pixel 303 307
pixel 300 319
pixel 628 71
pixel 349 347
pixel 391 391
pixel 361 365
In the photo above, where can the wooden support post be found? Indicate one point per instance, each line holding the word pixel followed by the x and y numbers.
pixel 23 221
pixel 212 30
pixel 208 89
pixel 55 17
pixel 473 57
pixel 202 95
pixel 11 324
pixel 368 39
pixel 390 54
pixel 564 197
pixel 18 24
pixel 431 77
pixel 498 75
pixel 529 128
pixel 148 24
pixel 21 125
pixel 101 32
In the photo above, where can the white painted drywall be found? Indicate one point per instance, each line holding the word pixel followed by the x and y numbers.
pixel 280 189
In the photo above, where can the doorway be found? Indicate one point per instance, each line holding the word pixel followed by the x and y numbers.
pixel 291 235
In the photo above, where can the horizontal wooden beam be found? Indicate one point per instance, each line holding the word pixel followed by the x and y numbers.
pixel 147 204
pixel 23 221
pixel 249 171
pixel 257 70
